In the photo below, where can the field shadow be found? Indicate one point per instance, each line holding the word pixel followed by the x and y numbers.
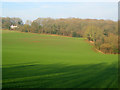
pixel 61 76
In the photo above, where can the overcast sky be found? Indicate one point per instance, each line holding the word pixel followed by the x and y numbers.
pixel 32 10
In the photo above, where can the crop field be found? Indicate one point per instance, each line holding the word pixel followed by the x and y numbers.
pixel 46 61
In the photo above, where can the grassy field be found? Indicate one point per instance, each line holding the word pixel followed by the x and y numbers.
pixel 46 61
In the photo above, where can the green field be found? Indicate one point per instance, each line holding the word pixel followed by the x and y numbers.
pixel 46 61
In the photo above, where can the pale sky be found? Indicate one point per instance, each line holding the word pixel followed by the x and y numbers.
pixel 59 0
pixel 32 10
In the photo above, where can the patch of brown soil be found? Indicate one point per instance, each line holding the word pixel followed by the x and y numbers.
pixel 91 42
pixel 35 41
pixel 99 51
pixel 45 34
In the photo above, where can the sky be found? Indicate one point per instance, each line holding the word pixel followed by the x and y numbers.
pixel 59 0
pixel 83 10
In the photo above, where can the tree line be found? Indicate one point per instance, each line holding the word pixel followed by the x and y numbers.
pixel 102 33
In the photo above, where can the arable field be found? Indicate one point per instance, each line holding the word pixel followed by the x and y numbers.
pixel 45 61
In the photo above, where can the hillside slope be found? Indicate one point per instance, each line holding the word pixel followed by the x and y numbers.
pixel 45 61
